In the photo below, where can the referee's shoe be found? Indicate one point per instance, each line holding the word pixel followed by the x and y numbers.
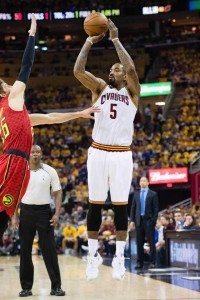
pixel 25 293
pixel 57 292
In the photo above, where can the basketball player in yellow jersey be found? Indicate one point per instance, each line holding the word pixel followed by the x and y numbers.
pixel 110 157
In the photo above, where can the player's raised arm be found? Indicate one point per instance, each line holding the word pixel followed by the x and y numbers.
pixel 16 97
pixel 125 59
pixel 91 82
pixel 56 118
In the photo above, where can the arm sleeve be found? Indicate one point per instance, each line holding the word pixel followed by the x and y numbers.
pixel 27 60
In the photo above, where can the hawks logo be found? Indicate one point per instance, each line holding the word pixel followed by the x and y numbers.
pixel 8 200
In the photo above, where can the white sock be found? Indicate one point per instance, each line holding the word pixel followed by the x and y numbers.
pixel 93 246
pixel 120 246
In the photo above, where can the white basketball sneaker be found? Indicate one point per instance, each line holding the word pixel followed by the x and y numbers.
pixel 119 270
pixel 93 263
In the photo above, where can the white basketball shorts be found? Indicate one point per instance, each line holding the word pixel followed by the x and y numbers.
pixel 109 171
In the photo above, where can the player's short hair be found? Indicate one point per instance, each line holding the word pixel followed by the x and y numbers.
pixel 119 63
pixel 123 68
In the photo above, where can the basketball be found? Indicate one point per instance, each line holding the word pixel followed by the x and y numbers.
pixel 95 24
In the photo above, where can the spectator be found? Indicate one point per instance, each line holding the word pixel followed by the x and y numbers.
pixel 165 222
pixel 82 238
pixel 58 237
pixel 178 220
pixel 6 245
pixel 189 223
pixel 107 235
pixel 160 245
pixel 69 239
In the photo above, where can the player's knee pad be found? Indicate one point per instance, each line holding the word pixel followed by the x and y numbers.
pixel 121 217
pixel 94 217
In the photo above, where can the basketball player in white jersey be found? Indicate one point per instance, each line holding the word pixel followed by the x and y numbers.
pixel 110 157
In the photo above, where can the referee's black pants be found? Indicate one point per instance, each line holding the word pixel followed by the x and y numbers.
pixel 32 218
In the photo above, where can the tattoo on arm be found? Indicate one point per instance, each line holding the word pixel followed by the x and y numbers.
pixel 86 78
pixel 82 58
pixel 123 55
pixel 129 66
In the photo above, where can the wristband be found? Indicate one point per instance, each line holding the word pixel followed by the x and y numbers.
pixel 115 39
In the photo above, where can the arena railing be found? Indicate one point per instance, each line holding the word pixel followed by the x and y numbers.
pixel 185 203
pixel 195 165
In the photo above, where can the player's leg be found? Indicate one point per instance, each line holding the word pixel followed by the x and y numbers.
pixel 98 189
pixel 4 218
pixel 4 201
pixel 15 183
pixel 94 260
pixel 93 225
pixel 121 225
pixel 120 176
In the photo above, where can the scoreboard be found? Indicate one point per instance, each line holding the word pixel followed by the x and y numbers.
pixel 59 15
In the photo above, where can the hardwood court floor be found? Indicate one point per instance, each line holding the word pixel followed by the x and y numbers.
pixel 77 288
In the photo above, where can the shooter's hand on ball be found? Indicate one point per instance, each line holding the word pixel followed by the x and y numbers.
pixel 113 30
pixel 95 39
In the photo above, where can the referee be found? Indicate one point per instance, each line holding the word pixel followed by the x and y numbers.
pixel 36 215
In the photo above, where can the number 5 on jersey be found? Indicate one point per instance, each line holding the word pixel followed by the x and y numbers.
pixel 113 111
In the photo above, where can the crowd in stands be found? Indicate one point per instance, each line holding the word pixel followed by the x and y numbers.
pixel 179 219
pixel 176 219
pixel 62 42
pixel 60 65
pixel 71 232
pixel 157 143
pixel 181 64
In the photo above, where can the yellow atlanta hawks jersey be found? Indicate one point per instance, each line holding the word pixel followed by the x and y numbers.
pixel 114 124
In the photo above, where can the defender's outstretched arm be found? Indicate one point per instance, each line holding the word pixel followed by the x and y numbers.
pixel 56 118
pixel 16 96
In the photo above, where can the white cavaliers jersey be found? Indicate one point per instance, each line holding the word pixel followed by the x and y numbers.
pixel 114 124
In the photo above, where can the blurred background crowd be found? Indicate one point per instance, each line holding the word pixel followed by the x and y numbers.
pixel 168 53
